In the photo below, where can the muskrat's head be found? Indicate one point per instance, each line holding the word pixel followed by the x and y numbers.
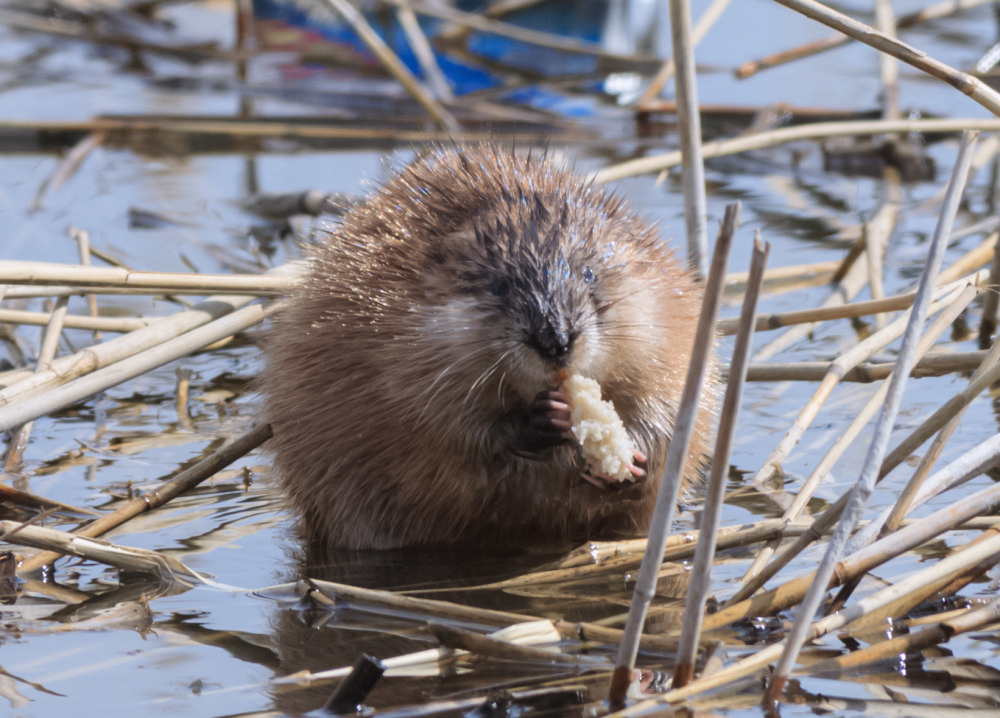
pixel 538 279
pixel 529 285
pixel 509 269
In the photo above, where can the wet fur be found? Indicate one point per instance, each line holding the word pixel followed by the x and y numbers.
pixel 400 379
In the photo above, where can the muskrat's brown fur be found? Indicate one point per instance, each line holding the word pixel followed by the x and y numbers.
pixel 401 381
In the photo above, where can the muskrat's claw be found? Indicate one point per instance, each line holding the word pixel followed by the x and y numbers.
pixel 639 466
pixel 603 480
pixel 547 426
pixel 550 414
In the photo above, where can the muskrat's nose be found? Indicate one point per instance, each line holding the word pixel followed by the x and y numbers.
pixel 551 342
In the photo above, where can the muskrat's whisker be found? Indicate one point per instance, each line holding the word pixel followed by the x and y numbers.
pixel 485 375
pixel 429 394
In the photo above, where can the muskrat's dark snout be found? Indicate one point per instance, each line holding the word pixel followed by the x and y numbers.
pixel 552 339
pixel 409 379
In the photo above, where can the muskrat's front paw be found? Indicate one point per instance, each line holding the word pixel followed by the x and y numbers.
pixel 638 468
pixel 548 424
pixel 639 465
pixel 550 415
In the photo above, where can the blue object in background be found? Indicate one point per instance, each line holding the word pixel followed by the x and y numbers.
pixel 299 24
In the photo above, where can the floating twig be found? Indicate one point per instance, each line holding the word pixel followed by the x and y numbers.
pixel 183 482
pixel 761 140
pixel 932 12
pixel 41 273
pixel 26 410
pixel 20 385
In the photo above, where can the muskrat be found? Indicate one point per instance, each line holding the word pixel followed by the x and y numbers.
pixel 412 382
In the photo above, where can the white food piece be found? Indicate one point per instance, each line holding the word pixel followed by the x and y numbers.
pixel 598 429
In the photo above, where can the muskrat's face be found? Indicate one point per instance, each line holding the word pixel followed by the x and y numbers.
pixel 534 289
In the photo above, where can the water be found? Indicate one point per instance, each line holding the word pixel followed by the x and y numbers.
pixel 203 652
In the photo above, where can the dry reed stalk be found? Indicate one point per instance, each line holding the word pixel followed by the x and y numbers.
pixel 12 497
pixel 949 566
pixel 258 129
pixel 22 385
pixel 971 464
pixel 916 640
pixel 183 482
pixel 819 130
pixel 494 10
pixel 988 148
pixel 82 240
pixel 851 279
pixel 755 577
pixel 847 437
pixel 689 137
pixel 968 466
pixel 841 293
pixel 978 256
pixel 767 322
pixel 393 65
pixel 988 323
pixel 512 640
pixel 183 391
pixel 666 498
pixel 885 20
pixel 885 615
pixel 899 598
pixel 986 374
pixel 711 517
pixel 121 325
pixel 71 392
pixel 333 594
pixel 52 291
pixel 797 275
pixel 708 18
pixel 902 505
pixel 424 53
pixel 530 37
pixel 68 29
pixel 937 364
pixel 876 238
pixel 979 572
pixel 59 543
pixel 965 83
pixel 883 427
pixel 837 369
pixel 682 546
pixel 679 546
pixel 36 273
pixel 940 9
pixel 478 644
pixel 50 342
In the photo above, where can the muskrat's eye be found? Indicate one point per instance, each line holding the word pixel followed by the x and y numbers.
pixel 500 287
pixel 588 275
